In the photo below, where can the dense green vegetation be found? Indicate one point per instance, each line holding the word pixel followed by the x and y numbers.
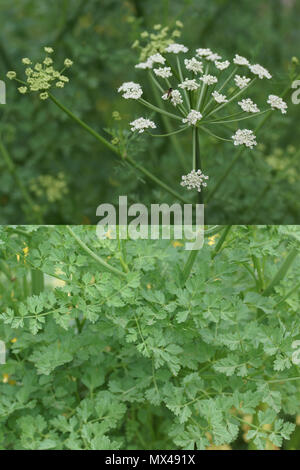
pixel 130 345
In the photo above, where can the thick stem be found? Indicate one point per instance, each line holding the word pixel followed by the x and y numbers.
pixel 37 281
pixel 93 255
pixel 188 266
pixel 221 241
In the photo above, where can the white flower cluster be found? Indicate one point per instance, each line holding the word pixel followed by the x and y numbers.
pixel 194 180
pixel 222 65
pixel 256 69
pixel 176 48
pixel 244 137
pixel 175 97
pixel 219 98
pixel 141 124
pixel 194 65
pixel 241 82
pixel 192 118
pixel 131 90
pixel 189 84
pixel 248 106
pixel 277 103
pixel 209 79
pixel 163 72
pixel 153 59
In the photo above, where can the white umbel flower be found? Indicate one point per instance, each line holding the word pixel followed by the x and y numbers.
pixel 213 57
pixel 175 97
pixel 192 118
pixel 194 65
pixel 145 65
pixel 209 79
pixel 241 82
pixel 194 180
pixel 189 84
pixel 141 124
pixel 131 90
pixel 248 106
pixel 163 72
pixel 203 52
pixel 157 58
pixel 240 60
pixel 277 103
pixel 219 98
pixel 222 65
pixel 244 137
pixel 260 71
pixel 176 48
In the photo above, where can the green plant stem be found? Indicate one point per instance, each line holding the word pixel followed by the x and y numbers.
pixel 282 271
pixel 189 265
pixel 221 241
pixel 115 150
pixel 196 159
pixel 13 171
pixel 94 255
pixel 166 121
pixel 37 281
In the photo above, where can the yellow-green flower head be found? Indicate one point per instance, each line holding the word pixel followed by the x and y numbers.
pixel 23 90
pixel 44 96
pixel 11 75
pixel 42 75
pixel 68 62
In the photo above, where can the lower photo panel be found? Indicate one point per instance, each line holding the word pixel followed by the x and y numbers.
pixel 109 343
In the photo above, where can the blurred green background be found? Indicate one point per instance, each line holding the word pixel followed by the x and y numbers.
pixel 68 173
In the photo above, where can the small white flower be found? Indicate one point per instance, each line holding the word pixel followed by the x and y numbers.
pixel 219 97
pixel 277 103
pixel 213 57
pixel 222 65
pixel 260 71
pixel 194 65
pixel 26 61
pixel 141 124
pixel 248 106
pixel 175 97
pixel 189 84
pixel 194 180
pixel 49 50
pixel 192 118
pixel 209 79
pixel 131 90
pixel 244 137
pixel 241 82
pixel 240 60
pixel 176 48
pixel 203 52
pixel 11 75
pixel 157 58
pixel 145 65
pixel 163 72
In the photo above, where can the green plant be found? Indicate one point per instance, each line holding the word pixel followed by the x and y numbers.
pixel 141 345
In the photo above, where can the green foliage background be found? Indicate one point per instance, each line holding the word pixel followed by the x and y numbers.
pixel 97 35
pixel 143 360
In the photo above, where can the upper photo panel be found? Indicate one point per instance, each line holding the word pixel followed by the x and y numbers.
pixel 187 102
